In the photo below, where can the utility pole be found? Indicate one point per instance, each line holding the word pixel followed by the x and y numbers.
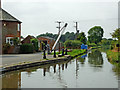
pixel 59 27
pixel 77 31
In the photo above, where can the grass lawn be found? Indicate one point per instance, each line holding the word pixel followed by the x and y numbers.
pixel 76 52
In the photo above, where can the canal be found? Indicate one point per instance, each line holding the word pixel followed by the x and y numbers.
pixel 88 71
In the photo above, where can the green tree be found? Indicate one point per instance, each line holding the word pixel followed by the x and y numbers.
pixel 82 37
pixel 35 44
pixel 95 34
pixel 116 34
pixel 16 41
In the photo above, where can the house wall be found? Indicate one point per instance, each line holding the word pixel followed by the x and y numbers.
pixel 10 29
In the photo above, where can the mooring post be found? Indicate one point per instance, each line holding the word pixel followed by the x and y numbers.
pixel 48 50
pixel 66 51
pixel 44 55
pixel 63 52
pixel 54 54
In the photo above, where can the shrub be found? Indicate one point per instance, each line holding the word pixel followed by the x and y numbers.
pixel 16 41
pixel 26 48
pixel 92 45
pixel 6 47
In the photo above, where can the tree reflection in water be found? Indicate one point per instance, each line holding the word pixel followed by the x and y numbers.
pixel 95 58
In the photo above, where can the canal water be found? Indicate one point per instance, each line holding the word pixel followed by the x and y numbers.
pixel 91 70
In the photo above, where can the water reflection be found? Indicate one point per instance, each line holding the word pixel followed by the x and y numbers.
pixel 95 58
pixel 81 58
pixel 11 80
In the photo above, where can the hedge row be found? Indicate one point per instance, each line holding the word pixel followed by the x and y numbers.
pixel 73 44
pixel 26 48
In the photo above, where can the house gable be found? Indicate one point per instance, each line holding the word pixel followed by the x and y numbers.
pixel 5 16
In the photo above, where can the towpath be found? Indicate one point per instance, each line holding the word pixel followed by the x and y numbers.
pixel 10 59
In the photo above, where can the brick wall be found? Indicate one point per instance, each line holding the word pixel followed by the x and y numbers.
pixel 9 29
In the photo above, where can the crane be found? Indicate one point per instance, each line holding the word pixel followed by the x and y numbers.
pixel 60 33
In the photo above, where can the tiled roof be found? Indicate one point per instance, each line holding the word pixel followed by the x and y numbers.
pixel 5 16
pixel 48 37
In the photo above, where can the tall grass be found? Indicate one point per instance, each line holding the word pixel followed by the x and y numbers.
pixel 112 56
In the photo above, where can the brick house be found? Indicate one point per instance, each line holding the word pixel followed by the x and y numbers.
pixel 11 27
pixel 47 40
pixel 27 39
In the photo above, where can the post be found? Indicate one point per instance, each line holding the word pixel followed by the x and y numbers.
pixel 63 52
pixel 54 54
pixel 44 55
pixel 66 51
pixel 48 50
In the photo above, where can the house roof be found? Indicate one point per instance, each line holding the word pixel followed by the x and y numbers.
pixel 47 37
pixel 5 16
pixel 27 39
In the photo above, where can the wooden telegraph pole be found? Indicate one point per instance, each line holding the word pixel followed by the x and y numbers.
pixel 77 31
pixel 59 27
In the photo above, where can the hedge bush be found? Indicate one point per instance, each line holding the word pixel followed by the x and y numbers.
pixel 26 48
pixel 73 44
pixel 6 47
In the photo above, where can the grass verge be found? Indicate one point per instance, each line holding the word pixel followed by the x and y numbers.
pixel 112 56
pixel 76 52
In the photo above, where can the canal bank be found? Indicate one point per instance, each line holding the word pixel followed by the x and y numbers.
pixel 23 65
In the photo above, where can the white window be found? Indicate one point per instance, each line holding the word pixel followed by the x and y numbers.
pixel 18 26
pixel 9 40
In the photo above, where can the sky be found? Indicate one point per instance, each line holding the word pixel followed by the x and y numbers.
pixel 40 16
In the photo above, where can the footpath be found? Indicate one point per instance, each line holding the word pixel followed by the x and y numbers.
pixel 11 59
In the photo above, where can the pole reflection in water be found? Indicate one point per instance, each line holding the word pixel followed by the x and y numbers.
pixel 54 68
pixel 62 66
pixel 44 71
pixel 66 65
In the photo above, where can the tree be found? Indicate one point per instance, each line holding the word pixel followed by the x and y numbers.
pixel 16 41
pixel 95 34
pixel 116 34
pixel 35 44
pixel 82 37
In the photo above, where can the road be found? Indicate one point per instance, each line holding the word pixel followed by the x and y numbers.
pixel 10 59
